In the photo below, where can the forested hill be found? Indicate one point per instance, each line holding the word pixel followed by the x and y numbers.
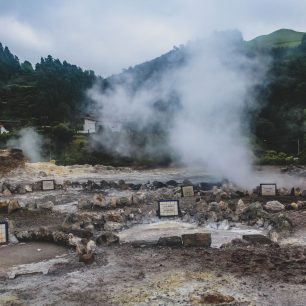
pixel 279 121
pixel 51 92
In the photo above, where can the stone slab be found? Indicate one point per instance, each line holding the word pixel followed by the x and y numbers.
pixel 257 239
pixel 172 241
pixel 197 240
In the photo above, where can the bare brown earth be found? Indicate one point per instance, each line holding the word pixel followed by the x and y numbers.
pixel 151 275
pixel 124 275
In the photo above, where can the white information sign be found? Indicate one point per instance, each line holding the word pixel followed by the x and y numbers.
pixel 3 233
pixel 48 185
pixel 188 191
pixel 268 189
pixel 168 208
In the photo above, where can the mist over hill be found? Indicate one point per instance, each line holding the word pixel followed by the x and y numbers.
pixel 58 94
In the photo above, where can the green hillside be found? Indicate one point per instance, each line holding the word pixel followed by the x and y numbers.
pixel 52 96
pixel 280 38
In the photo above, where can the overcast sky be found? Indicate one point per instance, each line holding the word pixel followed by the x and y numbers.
pixel 106 36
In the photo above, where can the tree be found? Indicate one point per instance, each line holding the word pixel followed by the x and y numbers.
pixel 26 67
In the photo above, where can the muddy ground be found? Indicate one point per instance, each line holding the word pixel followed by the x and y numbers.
pixel 125 275
pixel 39 273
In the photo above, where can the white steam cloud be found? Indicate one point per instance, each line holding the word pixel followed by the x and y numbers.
pixel 208 126
pixel 30 142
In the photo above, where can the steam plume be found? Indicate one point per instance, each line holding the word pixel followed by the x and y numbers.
pixel 207 125
pixel 30 142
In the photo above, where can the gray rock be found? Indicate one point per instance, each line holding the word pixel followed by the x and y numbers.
pixel 10 205
pixel 281 225
pixel 240 207
pixel 84 204
pixel 42 174
pixel 6 192
pixel 100 201
pixel 125 201
pixel 24 236
pixel 113 226
pixel 172 183
pixel 122 185
pixel 13 239
pixel 213 206
pixel 107 238
pixel 252 212
pixel 274 206
pixel 45 206
pixel 20 189
pixel 28 188
pixel 235 242
pixel 173 241
pixel 31 206
pixel 257 239
pixel 197 240
pixel 143 243
pixel 37 186
pixel 60 238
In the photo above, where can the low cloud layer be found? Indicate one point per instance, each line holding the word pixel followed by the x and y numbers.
pixel 107 36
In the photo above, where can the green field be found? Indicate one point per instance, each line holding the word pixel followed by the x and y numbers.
pixel 279 38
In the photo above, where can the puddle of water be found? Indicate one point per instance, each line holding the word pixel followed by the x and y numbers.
pixel 28 253
pixel 36 267
pixel 220 234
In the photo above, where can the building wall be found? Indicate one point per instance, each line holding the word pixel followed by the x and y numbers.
pixel 89 126
pixel 3 130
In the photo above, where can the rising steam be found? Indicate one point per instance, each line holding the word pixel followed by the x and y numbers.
pixel 206 126
pixel 30 142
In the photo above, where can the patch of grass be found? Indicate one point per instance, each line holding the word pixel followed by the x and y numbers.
pixel 280 38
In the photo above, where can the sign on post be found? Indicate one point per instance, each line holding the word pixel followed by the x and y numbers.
pixel 268 189
pixel 48 185
pixel 187 191
pixel 4 237
pixel 168 208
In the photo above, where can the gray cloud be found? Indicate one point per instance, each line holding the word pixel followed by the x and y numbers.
pixel 107 36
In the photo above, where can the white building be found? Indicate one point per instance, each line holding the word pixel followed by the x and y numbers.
pixel 3 130
pixel 89 126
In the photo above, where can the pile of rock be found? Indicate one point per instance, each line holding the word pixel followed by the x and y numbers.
pixel 9 206
pixel 43 234
pixel 252 239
